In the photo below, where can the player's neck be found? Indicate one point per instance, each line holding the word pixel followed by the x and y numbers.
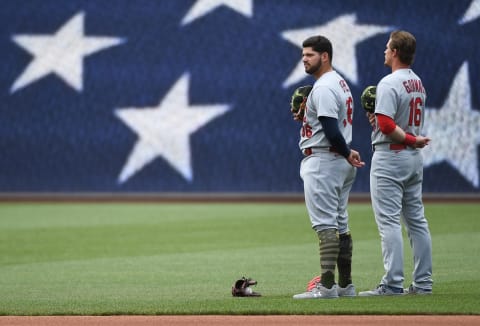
pixel 396 65
pixel 323 70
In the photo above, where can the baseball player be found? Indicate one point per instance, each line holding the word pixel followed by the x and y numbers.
pixel 329 167
pixel 396 173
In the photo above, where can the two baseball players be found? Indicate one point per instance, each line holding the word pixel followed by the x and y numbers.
pixel 329 167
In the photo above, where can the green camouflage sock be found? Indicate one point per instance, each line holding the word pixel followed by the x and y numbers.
pixel 329 249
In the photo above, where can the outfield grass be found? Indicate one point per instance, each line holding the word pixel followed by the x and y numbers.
pixel 138 258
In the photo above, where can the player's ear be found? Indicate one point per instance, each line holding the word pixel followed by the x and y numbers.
pixel 395 53
pixel 324 57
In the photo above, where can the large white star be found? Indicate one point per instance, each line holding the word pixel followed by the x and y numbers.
pixel 61 53
pixel 203 7
pixel 165 130
pixel 455 130
pixel 472 13
pixel 345 34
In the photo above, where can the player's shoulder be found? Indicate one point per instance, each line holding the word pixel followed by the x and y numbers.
pixel 400 75
pixel 392 80
pixel 331 81
pixel 388 79
pixel 337 78
pixel 321 84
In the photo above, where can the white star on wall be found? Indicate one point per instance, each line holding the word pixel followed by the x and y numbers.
pixel 472 13
pixel 345 34
pixel 61 53
pixel 203 7
pixel 455 130
pixel 165 130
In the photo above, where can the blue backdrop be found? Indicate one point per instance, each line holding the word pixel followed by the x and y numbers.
pixel 193 95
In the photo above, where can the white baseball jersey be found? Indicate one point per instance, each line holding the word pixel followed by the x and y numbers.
pixel 329 97
pixel 400 96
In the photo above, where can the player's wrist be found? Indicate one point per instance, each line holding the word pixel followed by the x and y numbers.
pixel 410 140
pixel 345 151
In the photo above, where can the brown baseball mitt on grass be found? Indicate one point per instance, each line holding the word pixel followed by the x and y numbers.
pixel 242 288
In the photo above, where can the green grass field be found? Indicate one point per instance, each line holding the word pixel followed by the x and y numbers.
pixel 146 258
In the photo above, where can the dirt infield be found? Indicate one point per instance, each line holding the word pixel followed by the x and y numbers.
pixel 359 320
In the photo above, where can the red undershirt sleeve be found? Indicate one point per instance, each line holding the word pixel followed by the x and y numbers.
pixel 386 124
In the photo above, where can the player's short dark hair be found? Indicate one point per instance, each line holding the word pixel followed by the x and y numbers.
pixel 405 44
pixel 319 44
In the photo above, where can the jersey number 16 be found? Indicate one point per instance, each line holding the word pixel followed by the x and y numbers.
pixel 415 117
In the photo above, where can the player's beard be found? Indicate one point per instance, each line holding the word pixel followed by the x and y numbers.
pixel 314 68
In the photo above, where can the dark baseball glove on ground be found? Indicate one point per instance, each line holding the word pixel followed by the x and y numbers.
pixel 368 97
pixel 242 288
pixel 299 100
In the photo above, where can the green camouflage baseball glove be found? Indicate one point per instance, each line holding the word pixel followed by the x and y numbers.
pixel 299 100
pixel 368 97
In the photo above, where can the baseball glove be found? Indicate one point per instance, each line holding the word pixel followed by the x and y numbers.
pixel 368 97
pixel 299 100
pixel 241 288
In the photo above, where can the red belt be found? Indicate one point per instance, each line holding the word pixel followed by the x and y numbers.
pixel 397 147
pixel 392 147
pixel 309 151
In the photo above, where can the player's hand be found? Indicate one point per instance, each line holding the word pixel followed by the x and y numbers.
pixel 371 118
pixel 421 141
pixel 354 159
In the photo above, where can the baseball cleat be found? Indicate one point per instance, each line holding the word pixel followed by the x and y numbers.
pixel 412 289
pixel 348 291
pixel 319 292
pixel 382 289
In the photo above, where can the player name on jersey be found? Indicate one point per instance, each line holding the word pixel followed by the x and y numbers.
pixel 413 85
